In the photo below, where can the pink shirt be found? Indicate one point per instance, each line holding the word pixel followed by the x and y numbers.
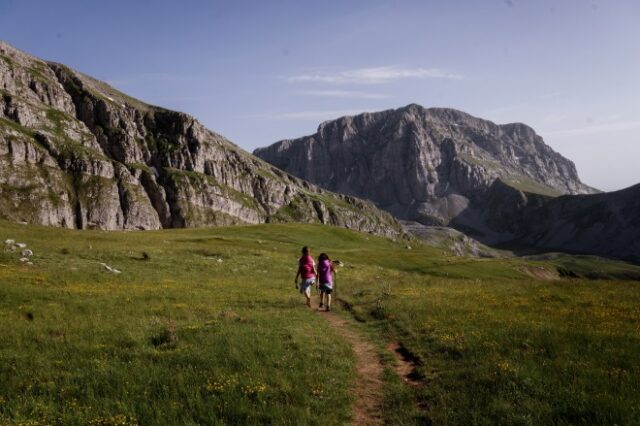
pixel 324 271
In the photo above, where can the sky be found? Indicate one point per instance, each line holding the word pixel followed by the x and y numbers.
pixel 261 71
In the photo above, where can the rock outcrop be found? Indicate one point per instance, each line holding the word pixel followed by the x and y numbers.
pixel 450 240
pixel 76 153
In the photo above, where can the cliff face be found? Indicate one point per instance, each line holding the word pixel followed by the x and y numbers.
pixel 500 184
pixel 76 153
pixel 607 224
pixel 426 165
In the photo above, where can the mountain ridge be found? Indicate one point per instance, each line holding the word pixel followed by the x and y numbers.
pixel 77 153
pixel 450 154
pixel 500 184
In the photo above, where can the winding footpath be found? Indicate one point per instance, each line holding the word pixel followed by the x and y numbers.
pixel 367 406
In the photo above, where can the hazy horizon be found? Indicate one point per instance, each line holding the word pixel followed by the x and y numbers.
pixel 258 72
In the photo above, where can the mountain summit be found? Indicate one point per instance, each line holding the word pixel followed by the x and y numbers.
pixel 75 152
pixel 424 164
pixel 435 166
pixel 500 184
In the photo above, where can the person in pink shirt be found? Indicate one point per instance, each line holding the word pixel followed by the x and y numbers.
pixel 326 274
pixel 306 271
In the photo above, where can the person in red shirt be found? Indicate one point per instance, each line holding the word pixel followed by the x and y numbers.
pixel 306 271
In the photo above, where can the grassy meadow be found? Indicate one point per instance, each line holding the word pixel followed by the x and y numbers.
pixel 204 326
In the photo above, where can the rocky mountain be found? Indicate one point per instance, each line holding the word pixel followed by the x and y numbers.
pixel 451 240
pixel 76 153
pixel 425 165
pixel 606 224
pixel 443 167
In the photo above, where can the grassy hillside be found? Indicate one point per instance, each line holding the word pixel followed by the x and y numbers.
pixel 204 326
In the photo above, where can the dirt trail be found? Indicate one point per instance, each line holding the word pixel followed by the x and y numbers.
pixel 367 407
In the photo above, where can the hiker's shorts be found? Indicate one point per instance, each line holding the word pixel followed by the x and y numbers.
pixel 306 285
pixel 325 288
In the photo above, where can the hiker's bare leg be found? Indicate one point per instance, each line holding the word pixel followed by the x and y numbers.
pixel 307 294
pixel 328 300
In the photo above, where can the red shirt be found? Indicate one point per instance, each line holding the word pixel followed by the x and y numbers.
pixel 306 266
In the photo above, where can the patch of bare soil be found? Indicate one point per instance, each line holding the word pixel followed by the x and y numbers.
pixel 405 366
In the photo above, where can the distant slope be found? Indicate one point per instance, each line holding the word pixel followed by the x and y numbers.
pixel 607 224
pixel 450 240
pixel 77 153
pixel 604 224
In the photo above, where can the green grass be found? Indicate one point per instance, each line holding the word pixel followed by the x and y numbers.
pixel 10 63
pixel 296 210
pixel 183 338
pixel 521 183
pixel 18 201
pixel 580 266
pixel 482 162
pixel 103 91
pixel 69 148
pixel 139 166
pixel 5 123
pixel 527 184
pixel 202 180
pixel 246 351
pixel 507 350
pixel 267 174
pixel 38 71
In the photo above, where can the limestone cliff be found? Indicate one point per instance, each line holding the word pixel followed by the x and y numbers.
pixel 75 152
pixel 425 165
pixel 500 184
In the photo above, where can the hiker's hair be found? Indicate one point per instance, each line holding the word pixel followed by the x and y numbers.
pixel 323 256
pixel 305 250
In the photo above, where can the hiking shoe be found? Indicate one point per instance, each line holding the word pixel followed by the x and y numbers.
pixel 328 308
pixel 309 303
pixel 321 305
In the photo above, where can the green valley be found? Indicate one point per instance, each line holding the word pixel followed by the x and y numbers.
pixel 204 326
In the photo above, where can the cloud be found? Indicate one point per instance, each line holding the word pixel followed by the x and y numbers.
pixel 596 128
pixel 374 75
pixel 344 94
